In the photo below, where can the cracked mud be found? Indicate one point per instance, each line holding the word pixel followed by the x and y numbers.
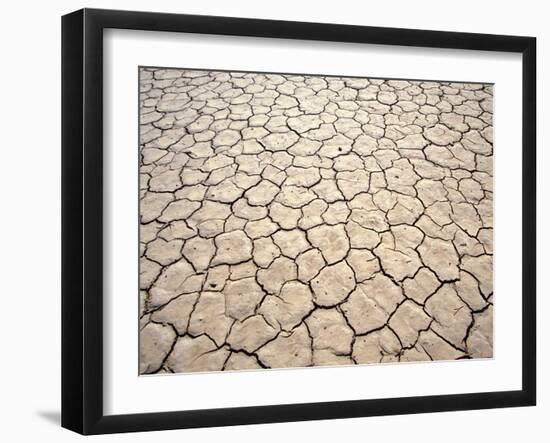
pixel 291 221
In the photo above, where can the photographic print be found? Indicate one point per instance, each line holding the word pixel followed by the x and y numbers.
pixel 293 220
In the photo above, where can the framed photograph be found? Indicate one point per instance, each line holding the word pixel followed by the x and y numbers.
pixel 269 221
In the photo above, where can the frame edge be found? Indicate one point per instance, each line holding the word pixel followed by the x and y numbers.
pixel 72 296
pixel 529 220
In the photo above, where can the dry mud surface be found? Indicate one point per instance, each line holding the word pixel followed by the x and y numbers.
pixel 291 221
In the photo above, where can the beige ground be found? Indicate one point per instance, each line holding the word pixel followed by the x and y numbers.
pixel 294 221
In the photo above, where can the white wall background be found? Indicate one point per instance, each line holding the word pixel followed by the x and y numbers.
pixel 30 218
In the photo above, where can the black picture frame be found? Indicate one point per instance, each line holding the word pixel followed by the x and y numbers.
pixel 82 215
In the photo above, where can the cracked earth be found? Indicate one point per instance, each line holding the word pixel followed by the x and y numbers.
pixel 292 221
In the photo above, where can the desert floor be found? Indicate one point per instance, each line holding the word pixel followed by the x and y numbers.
pixel 291 221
